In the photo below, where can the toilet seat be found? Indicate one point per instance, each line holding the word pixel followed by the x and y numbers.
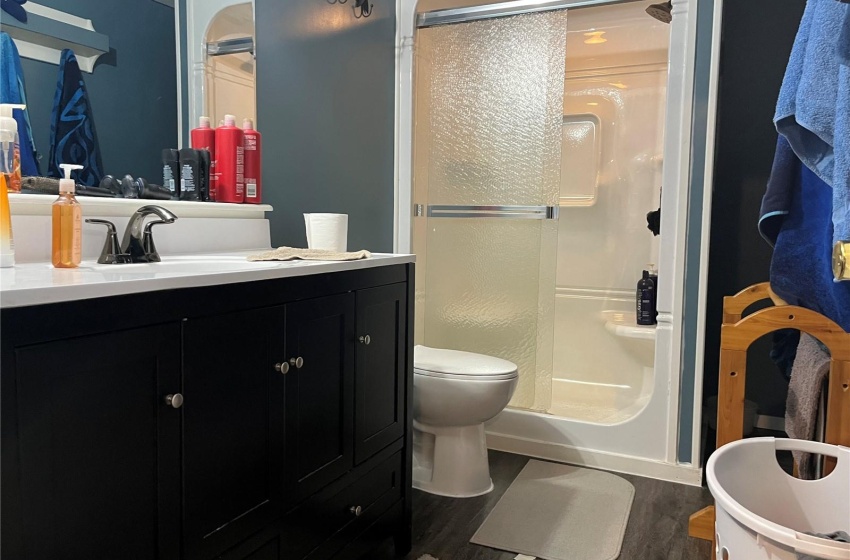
pixel 455 364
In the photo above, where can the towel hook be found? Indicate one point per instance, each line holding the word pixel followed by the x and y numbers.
pixel 365 8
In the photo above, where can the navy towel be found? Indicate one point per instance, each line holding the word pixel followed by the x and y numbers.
pixel 801 267
pixel 779 194
pixel 13 90
pixel 73 138
pixel 15 9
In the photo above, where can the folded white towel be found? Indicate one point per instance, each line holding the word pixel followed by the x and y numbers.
pixel 290 253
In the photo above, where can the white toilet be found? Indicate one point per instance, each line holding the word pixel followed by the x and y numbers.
pixel 454 393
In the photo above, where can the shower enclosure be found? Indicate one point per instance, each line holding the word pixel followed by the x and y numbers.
pixel 538 151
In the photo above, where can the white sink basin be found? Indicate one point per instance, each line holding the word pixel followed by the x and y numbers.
pixel 183 265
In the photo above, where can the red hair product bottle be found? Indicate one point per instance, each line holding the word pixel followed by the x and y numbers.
pixel 252 140
pixel 230 162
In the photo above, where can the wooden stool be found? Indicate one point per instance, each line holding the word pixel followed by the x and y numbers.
pixel 736 336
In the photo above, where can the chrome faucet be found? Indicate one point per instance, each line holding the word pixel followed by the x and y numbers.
pixel 138 237
pixel 138 245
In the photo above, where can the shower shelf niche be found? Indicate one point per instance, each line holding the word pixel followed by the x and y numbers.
pixel 580 156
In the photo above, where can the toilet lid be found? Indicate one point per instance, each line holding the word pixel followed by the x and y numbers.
pixel 442 362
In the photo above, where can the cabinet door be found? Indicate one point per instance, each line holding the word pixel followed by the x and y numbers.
pixel 320 393
pixel 99 448
pixel 379 375
pixel 233 430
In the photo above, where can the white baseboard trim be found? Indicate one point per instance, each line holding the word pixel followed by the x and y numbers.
pixel 774 423
pixel 679 473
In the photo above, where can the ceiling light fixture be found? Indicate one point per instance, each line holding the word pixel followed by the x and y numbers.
pixel 595 38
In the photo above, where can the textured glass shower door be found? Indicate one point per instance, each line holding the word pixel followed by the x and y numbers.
pixel 489 110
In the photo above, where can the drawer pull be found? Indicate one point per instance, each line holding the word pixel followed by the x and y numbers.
pixel 282 367
pixel 174 401
pixel 356 510
pixel 297 362
pixel 365 340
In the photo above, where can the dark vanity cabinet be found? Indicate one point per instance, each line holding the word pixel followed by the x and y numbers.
pixel 381 349
pixel 98 452
pixel 233 430
pixel 266 421
pixel 319 347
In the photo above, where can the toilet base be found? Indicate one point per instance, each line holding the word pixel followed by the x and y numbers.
pixel 451 460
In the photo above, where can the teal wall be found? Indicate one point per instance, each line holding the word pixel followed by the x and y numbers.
pixel 702 73
pixel 326 101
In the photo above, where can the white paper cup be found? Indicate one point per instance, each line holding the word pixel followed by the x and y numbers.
pixel 328 232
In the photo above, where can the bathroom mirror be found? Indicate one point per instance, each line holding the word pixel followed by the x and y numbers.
pixel 131 88
pixel 150 69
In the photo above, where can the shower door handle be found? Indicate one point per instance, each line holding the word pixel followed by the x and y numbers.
pixel 511 212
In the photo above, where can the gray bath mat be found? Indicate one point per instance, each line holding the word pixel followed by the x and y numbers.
pixel 560 512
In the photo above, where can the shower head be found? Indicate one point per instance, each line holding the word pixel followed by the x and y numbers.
pixel 663 12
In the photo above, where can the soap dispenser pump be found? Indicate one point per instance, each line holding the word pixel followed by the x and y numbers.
pixel 10 148
pixel 67 222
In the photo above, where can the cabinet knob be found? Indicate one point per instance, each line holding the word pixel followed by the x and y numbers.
pixel 282 367
pixel 365 340
pixel 356 510
pixel 297 362
pixel 174 401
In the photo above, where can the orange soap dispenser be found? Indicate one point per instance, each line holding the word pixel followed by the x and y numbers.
pixel 67 223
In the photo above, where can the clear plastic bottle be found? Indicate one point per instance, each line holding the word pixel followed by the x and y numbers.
pixel 67 223
pixel 10 148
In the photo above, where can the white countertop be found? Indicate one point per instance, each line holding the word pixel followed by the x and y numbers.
pixel 40 283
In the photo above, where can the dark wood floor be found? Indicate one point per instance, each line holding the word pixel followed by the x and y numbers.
pixel 657 528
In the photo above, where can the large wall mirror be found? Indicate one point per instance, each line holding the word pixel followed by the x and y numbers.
pixel 150 68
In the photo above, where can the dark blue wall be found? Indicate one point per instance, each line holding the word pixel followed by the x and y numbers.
pixel 753 58
pixel 133 90
pixel 326 109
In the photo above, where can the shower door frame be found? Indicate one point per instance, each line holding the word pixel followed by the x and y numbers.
pixel 670 361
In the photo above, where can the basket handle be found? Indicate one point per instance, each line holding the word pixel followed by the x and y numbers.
pixel 824 548
pixel 784 444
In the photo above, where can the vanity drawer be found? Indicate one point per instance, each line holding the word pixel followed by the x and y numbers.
pixel 330 522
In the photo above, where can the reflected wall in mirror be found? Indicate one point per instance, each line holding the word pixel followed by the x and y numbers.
pixel 220 53
pixel 132 89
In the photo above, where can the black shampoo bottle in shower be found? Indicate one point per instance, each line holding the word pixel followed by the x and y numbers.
pixel 646 299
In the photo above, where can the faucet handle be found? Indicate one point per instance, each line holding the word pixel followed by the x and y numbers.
pixel 147 239
pixel 111 253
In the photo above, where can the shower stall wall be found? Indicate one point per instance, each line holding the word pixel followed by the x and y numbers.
pixel 512 123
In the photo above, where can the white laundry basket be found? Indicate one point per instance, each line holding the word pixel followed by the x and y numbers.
pixel 762 512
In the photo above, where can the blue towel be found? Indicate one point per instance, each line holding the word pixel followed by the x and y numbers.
pixel 73 138
pixel 813 111
pixel 801 267
pixel 843 50
pixel 13 90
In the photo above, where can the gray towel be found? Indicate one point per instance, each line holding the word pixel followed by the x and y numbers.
pixel 810 369
pixel 838 536
pixel 291 254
